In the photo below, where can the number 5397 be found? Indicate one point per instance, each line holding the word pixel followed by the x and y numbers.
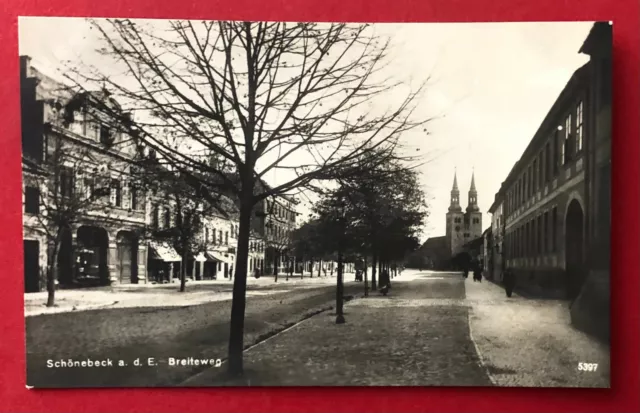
pixel 587 366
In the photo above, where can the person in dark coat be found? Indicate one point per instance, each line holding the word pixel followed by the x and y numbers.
pixel 477 272
pixel 509 281
pixel 465 270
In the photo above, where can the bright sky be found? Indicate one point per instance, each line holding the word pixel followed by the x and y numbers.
pixel 491 86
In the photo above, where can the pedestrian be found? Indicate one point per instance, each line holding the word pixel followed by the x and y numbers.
pixel 509 281
pixel 231 273
pixel 477 272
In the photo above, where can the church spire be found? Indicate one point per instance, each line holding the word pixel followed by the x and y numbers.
pixel 473 194
pixel 473 181
pixel 455 194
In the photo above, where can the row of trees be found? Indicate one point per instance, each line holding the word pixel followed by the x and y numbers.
pixel 374 215
pixel 309 101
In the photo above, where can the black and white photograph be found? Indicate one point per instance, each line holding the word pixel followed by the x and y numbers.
pixel 232 203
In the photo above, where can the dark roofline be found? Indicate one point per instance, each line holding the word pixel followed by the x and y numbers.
pixel 546 126
pixel 601 34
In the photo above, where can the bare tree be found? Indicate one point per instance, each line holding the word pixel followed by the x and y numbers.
pixel 70 183
pixel 303 100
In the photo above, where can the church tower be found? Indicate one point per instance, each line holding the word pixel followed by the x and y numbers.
pixel 473 217
pixel 455 217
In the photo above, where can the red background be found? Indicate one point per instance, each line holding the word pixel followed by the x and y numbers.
pixel 623 395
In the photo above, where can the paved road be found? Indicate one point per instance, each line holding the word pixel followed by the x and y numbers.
pixel 199 331
pixel 416 336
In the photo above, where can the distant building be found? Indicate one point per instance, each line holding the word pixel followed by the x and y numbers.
pixel 495 245
pixel 462 227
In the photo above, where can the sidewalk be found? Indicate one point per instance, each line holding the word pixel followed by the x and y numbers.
pixel 531 342
pixel 162 295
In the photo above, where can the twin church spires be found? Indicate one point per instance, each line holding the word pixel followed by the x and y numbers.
pixel 455 196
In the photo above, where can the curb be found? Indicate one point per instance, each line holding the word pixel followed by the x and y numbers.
pixel 263 338
pixel 483 363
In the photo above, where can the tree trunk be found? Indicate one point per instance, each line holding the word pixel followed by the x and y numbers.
pixel 311 269
pixel 374 284
pixel 238 303
pixel 51 272
pixel 183 270
pixel 366 281
pixel 340 289
pixel 275 265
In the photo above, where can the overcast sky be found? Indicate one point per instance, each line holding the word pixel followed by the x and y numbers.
pixel 491 84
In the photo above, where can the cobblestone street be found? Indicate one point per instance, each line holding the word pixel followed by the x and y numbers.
pixel 432 329
pixel 196 330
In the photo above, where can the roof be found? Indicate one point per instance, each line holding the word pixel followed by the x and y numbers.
pixel 435 243
pixel 475 243
pixel 599 40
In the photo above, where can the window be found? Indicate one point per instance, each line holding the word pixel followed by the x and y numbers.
pixel 116 193
pixel 566 147
pixel 545 232
pixel 32 200
pixel 226 238
pixel 134 198
pixel 579 126
pixel 66 181
pixel 548 162
pixel 539 235
pixel 206 234
pixel 89 187
pixel 554 229
pixel 556 153
pixel 541 169
pixel 220 237
pixel 535 176
pixel 167 217
pixel 213 236
pixel 466 235
pixel 156 216
pixel 106 135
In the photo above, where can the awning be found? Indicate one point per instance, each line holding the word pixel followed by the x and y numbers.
pixel 200 257
pixel 162 251
pixel 216 257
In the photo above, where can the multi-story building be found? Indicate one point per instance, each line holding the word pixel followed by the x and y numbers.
pixel 274 220
pixel 111 238
pixel 462 227
pixel 94 164
pixel 495 248
pixel 34 185
pixel 556 198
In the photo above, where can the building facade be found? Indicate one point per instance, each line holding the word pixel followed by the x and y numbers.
pixel 35 240
pixel 273 221
pixel 556 198
pixel 462 227
pixel 110 240
pixel 495 246
pixel 93 166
